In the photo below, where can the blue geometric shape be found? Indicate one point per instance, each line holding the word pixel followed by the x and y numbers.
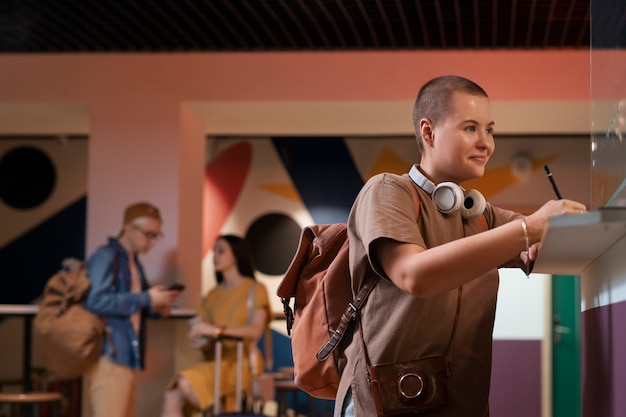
pixel 27 262
pixel 324 173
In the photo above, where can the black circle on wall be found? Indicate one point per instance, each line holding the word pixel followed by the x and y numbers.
pixel 27 177
pixel 273 239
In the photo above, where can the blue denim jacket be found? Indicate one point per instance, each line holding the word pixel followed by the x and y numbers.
pixel 114 302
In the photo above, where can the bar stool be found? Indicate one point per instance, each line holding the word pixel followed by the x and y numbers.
pixel 285 384
pixel 27 404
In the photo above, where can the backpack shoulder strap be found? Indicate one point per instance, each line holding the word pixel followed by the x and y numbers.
pixel 267 336
pixel 416 202
pixel 482 221
pixel 250 302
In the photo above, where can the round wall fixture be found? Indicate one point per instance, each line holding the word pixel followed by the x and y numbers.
pixel 273 239
pixel 27 177
pixel 521 165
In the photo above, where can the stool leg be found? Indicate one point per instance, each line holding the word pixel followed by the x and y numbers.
pixel 282 404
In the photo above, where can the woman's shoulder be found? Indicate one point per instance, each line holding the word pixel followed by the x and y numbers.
pixel 385 180
pixel 387 190
pixel 213 293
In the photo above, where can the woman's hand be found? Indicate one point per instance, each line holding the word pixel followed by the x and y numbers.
pixel 531 255
pixel 538 221
pixel 199 332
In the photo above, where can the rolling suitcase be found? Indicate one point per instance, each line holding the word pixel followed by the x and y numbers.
pixel 239 370
pixel 239 380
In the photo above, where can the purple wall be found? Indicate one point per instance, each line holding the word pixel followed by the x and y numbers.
pixel 604 361
pixel 516 379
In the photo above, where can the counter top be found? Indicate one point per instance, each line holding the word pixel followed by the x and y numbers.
pixel 573 242
pixel 32 309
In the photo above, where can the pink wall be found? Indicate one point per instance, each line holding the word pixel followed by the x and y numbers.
pixel 506 75
pixel 134 103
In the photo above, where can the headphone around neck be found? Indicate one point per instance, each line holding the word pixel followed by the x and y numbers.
pixel 449 197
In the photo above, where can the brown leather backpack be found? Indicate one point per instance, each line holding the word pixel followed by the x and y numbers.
pixel 319 281
pixel 70 338
pixel 324 307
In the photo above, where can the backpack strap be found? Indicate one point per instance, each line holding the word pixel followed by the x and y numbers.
pixel 268 357
pixel 348 316
pixel 370 280
pixel 482 221
pixel 250 302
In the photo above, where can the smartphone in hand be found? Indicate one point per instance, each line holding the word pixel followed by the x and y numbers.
pixel 176 287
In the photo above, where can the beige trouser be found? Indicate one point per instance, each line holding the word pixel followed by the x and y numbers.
pixel 112 389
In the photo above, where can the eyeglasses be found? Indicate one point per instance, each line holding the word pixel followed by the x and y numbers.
pixel 150 235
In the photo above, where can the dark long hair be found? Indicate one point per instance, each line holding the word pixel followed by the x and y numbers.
pixel 242 255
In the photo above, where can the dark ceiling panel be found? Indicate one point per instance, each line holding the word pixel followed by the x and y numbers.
pixel 36 26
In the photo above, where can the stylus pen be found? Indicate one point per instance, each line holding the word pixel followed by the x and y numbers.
pixel 549 174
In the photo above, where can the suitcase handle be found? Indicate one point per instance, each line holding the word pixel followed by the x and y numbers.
pixel 218 373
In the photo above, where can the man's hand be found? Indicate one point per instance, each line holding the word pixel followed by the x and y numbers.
pixel 161 299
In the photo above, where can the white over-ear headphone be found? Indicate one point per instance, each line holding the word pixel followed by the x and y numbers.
pixel 449 197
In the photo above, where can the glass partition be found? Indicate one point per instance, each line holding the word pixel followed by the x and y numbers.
pixel 608 103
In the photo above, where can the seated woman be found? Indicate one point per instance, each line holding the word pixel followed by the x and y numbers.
pixel 224 312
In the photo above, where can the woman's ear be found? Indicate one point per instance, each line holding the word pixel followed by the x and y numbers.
pixel 426 131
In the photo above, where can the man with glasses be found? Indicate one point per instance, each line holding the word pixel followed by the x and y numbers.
pixel 120 294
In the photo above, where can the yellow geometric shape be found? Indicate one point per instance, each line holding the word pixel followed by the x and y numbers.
pixel 495 180
pixel 284 190
pixel 499 178
pixel 389 161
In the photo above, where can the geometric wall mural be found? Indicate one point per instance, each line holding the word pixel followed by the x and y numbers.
pixel 268 189
pixel 43 205
pixel 265 189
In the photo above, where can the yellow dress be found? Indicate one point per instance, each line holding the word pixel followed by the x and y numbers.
pixel 226 306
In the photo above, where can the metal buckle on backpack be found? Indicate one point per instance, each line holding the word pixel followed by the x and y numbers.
pixel 355 311
pixel 288 314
